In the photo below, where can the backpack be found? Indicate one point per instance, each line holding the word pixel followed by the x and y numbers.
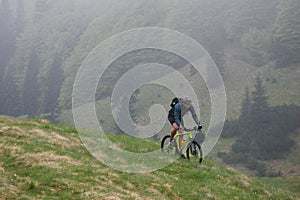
pixel 174 101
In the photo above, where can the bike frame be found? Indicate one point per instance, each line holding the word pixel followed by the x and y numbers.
pixel 186 142
pixel 193 151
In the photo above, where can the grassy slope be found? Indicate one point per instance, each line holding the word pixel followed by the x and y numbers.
pixel 44 161
pixel 238 75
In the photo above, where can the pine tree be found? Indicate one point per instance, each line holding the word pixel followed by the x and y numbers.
pixel 40 8
pixel 20 19
pixel 8 86
pixel 254 121
pixel 246 104
pixel 260 123
pixel 9 95
pixel 30 94
pixel 259 98
pixel 6 36
pixel 51 85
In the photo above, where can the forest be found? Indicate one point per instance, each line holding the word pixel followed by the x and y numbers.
pixel 44 42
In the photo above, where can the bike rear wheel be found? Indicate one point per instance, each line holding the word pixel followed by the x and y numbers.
pixel 194 152
pixel 165 144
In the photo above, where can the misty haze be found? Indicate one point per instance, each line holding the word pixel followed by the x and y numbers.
pixel 255 45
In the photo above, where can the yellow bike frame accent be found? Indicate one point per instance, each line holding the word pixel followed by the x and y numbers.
pixel 177 137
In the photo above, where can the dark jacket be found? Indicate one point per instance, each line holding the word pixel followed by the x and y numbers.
pixel 178 111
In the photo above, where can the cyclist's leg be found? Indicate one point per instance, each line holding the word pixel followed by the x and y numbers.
pixel 175 127
pixel 174 130
pixel 181 140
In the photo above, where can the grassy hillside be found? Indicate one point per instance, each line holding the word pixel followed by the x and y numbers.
pixel 40 160
pixel 282 86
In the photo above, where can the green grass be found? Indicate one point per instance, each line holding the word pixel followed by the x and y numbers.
pixel 292 184
pixel 133 144
pixel 40 160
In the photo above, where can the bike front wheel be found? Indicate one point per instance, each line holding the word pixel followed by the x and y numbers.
pixel 194 152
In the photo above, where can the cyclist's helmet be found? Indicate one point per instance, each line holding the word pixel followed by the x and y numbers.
pixel 187 100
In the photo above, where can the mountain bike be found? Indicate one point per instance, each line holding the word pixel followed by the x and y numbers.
pixel 189 145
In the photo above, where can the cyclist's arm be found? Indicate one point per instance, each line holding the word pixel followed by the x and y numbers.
pixel 177 111
pixel 195 117
pixel 182 122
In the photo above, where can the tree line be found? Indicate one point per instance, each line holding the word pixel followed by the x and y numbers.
pixel 41 49
pixel 31 68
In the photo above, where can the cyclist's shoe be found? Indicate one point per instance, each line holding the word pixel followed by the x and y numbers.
pixel 172 143
pixel 182 156
pixel 179 153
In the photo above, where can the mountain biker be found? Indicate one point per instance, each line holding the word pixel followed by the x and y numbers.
pixel 176 114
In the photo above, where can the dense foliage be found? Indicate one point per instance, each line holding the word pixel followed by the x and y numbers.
pixel 43 43
pixel 287 33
